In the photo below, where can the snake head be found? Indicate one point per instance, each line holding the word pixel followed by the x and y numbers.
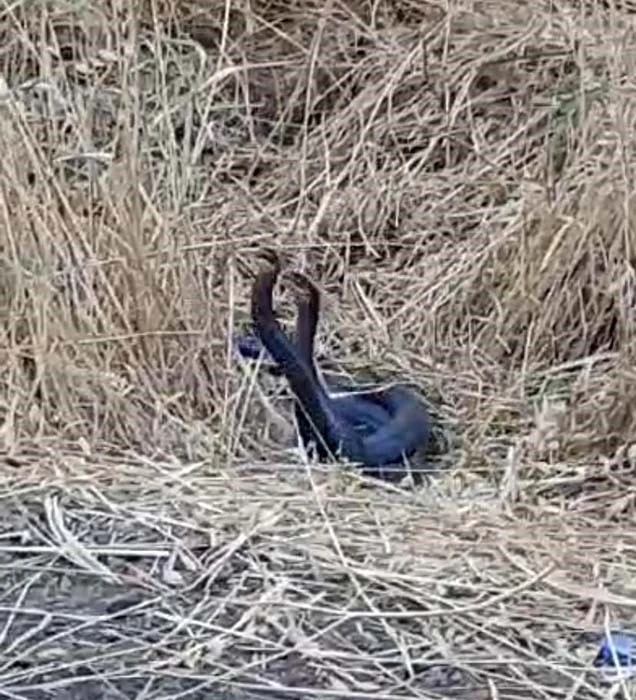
pixel 266 254
pixel 303 289
pixel 272 257
pixel 298 284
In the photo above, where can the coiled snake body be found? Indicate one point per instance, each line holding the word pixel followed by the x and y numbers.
pixel 376 427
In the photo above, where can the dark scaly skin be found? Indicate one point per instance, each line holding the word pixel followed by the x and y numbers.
pixel 376 429
pixel 392 420
pixel 367 416
pixel 354 405
pixel 336 434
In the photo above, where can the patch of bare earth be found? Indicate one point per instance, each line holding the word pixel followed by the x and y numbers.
pixel 459 178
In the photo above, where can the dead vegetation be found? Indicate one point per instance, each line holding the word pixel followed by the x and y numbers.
pixel 460 179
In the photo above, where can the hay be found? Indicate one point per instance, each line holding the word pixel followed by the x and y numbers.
pixel 460 181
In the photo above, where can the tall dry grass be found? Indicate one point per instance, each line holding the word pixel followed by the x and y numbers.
pixel 460 180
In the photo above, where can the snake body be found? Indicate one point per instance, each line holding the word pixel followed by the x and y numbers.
pixel 376 426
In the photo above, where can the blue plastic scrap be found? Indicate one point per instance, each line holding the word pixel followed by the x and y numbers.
pixel 618 651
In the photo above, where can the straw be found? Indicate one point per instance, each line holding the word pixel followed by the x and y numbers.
pixel 457 178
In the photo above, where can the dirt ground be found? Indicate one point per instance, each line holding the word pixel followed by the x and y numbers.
pixel 458 179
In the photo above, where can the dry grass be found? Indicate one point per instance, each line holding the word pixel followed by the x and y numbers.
pixel 460 179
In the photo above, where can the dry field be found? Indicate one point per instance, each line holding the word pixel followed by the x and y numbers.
pixel 460 178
